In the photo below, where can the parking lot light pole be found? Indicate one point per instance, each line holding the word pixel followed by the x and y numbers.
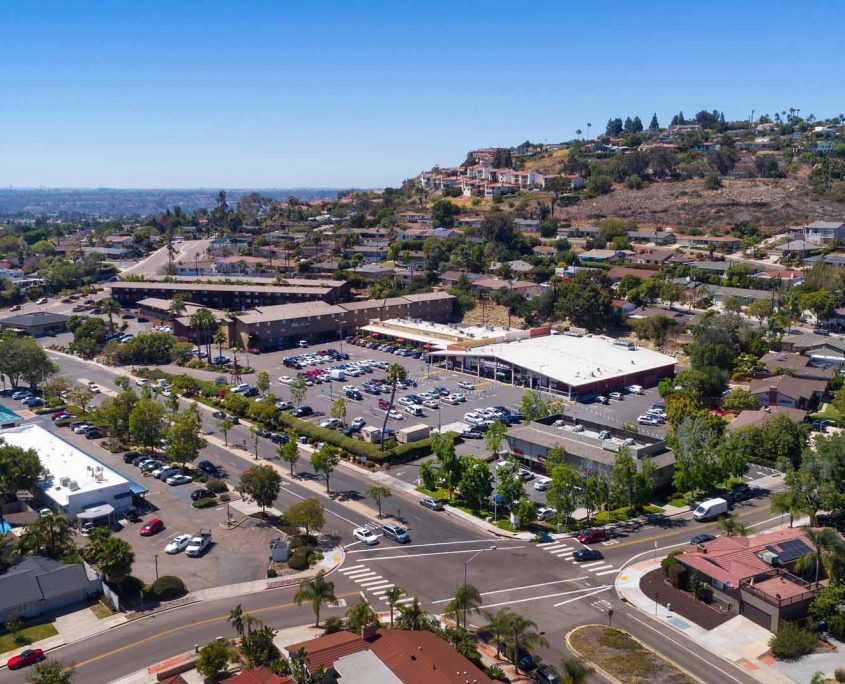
pixel 466 564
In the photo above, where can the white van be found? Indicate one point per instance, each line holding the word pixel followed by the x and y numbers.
pixel 712 508
pixel 415 410
pixel 337 374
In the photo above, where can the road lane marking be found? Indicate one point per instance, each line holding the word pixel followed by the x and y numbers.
pixel 545 596
pixel 578 598
pixel 527 586
pixel 418 546
pixel 442 553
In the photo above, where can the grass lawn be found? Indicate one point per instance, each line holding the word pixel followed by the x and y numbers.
pixel 100 610
pixel 624 657
pixel 28 635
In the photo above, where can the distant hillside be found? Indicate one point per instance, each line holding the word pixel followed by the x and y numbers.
pixel 765 202
pixel 112 202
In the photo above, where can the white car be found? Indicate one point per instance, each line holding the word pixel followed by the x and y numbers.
pixel 634 389
pixel 431 403
pixel 542 484
pixel 466 385
pixel 486 412
pixel 177 544
pixel 365 535
pixel 330 423
pixel 80 429
pixel 393 414
pixel 94 389
pixel 459 396
pixel 473 418
pixel 142 382
pixel 449 399
pixel 616 395
pixel 350 388
pixel 406 401
pixel 358 422
pixel 546 513
pixel 176 480
pixel 166 393
pixel 286 379
pixel 648 420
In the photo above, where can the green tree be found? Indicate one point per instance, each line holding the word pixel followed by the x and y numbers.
pixel 732 527
pixel 236 619
pixel 360 615
pixel 257 647
pixel 112 556
pixel 564 492
pixel 828 553
pixel 393 596
pixel 50 535
pixel 225 425
pixel 575 671
pixel 821 303
pixel 110 307
pixel 498 623
pixel 740 400
pixel 413 617
pixel 476 483
pixel 450 464
pixel 260 484
pixel 184 441
pixel 316 592
pixel 289 451
pixel 494 437
pixel 22 358
pixel 203 323
pixel 394 374
pixel 52 672
pixel 213 658
pixel 429 475
pixel 325 460
pixel 526 513
pixel 262 382
pixel 219 338
pixel 308 513
pixel 146 422
pixel 377 493
pixel 298 388
pixel 338 409
pixel 761 309
pixel 467 598
pixel 522 635
pixel 510 487
pixel 19 469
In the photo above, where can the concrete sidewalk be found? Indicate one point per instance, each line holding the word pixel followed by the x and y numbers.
pixel 739 640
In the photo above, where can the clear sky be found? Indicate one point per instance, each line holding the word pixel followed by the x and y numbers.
pixel 345 93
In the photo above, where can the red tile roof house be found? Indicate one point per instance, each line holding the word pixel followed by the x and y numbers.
pixel 753 576
pixel 411 657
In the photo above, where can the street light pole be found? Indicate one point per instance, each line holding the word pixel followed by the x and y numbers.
pixel 466 565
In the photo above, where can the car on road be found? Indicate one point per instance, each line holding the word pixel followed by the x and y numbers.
pixel 198 494
pixel 542 484
pixel 546 675
pixel 583 555
pixel 616 395
pixel 396 533
pixel 366 535
pixel 220 360
pixel 593 536
pixel 701 539
pixel 264 432
pixel 208 467
pixel 176 480
pixel 432 504
pixel 42 300
pixel 177 544
pixel 24 658
pixel 15 307
pixel 151 527
pixel 302 412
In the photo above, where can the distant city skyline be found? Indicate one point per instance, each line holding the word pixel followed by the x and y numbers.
pixel 365 94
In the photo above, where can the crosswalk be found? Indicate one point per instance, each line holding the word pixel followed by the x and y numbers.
pixel 371 582
pixel 565 550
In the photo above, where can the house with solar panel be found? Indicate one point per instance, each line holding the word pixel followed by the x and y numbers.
pixel 755 576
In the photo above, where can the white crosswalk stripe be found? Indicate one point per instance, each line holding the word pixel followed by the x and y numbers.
pixel 365 577
pixel 603 566
pixel 371 581
pixel 357 573
pixel 565 550
pixel 607 572
pixel 346 571
pixel 378 591
pixel 594 563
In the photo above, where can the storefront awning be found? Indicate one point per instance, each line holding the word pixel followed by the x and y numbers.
pixel 96 512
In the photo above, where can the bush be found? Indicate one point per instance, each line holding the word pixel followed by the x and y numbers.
pixel 207 502
pixel 332 624
pixel 304 540
pixel 225 497
pixel 271 573
pixel 839 674
pixel 669 561
pixel 712 182
pixel 836 627
pixel 791 642
pixel 216 486
pixel 299 559
pixel 167 586
pixel 677 575
pixel 496 673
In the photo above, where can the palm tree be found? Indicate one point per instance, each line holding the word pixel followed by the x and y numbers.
pixel 393 595
pixel 318 591
pixel 498 622
pixel 360 615
pixel 575 670
pixel 522 635
pixel 219 338
pixel 115 559
pixel 467 597
pixel 413 617
pixel 177 307
pixel 827 553
pixel 236 619
pixel 110 307
pixel 394 374
pixel 49 536
pixel 732 527
pixel 202 321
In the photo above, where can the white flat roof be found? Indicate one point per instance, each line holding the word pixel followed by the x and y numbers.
pixel 431 333
pixel 571 360
pixel 62 459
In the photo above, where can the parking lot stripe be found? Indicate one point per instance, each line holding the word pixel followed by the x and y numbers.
pixel 607 572
pixel 354 567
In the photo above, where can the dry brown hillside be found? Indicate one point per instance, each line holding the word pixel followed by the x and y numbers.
pixel 765 202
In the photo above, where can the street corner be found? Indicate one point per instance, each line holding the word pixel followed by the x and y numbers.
pixel 332 560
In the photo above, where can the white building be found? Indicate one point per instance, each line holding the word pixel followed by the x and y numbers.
pixel 75 482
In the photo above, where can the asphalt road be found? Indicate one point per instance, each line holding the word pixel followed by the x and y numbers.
pixel 545 585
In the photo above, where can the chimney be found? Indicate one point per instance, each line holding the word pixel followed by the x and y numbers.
pixel 368 632
pixel 773 396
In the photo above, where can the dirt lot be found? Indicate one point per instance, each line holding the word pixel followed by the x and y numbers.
pixel 683 603
pixel 623 657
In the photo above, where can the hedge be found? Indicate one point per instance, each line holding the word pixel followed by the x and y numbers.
pixel 299 559
pixel 167 586
pixel 216 486
pixel 207 502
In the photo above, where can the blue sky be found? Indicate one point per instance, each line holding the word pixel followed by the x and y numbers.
pixel 283 93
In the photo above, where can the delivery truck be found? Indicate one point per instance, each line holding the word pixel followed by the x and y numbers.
pixel 712 508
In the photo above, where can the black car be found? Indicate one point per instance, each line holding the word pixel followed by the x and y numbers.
pixel 198 494
pixel 95 433
pixel 219 415
pixel 279 438
pixel 263 432
pixel 207 467
pixel 701 539
pixel 525 661
pixel 132 515
pixel 546 675
pixel 251 392
pixel 582 555
pixel 130 456
pixel 354 394
pixel 303 411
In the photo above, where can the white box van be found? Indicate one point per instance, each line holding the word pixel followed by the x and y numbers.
pixel 415 410
pixel 337 374
pixel 710 509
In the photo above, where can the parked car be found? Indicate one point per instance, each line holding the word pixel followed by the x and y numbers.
pixel 542 484
pixel 208 467
pixel 302 412
pixel 616 395
pixel 583 555
pixel 648 420
pixel 546 675
pixel 393 414
pixel 279 438
pixel 24 658
pixel 593 536
pixel 473 418
pixel 463 384
pixel 151 527
pixel 177 544
pixel 701 539
pixel 33 402
pixel 473 433
pixel 396 533
pixel 365 535
pixel 546 514
pixel 634 389
pixel 176 480
pixel 220 360
pixel 601 399
pixel 198 494
pixel 358 422
pixel 430 503
pixel 330 423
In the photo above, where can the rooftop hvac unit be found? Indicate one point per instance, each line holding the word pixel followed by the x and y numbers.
pixel 64 481
pixel 73 485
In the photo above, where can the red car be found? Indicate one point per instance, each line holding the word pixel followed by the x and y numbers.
pixel 254 350
pixel 27 657
pixel 383 404
pixel 150 527
pixel 593 536
pixel 58 414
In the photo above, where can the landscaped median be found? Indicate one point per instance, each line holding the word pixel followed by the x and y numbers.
pixel 621 658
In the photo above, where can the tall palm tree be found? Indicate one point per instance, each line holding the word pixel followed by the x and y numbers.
pixel 827 553
pixel 236 619
pixel 413 617
pixel 219 338
pixel 317 591
pixel 177 307
pixel 49 536
pixel 522 635
pixel 393 595
pixel 360 615
pixel 467 597
pixel 394 374
pixel 115 559
pixel 110 307
pixel 202 321
pixel 498 622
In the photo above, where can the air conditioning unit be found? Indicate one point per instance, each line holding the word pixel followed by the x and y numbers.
pixel 64 481
pixel 73 485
